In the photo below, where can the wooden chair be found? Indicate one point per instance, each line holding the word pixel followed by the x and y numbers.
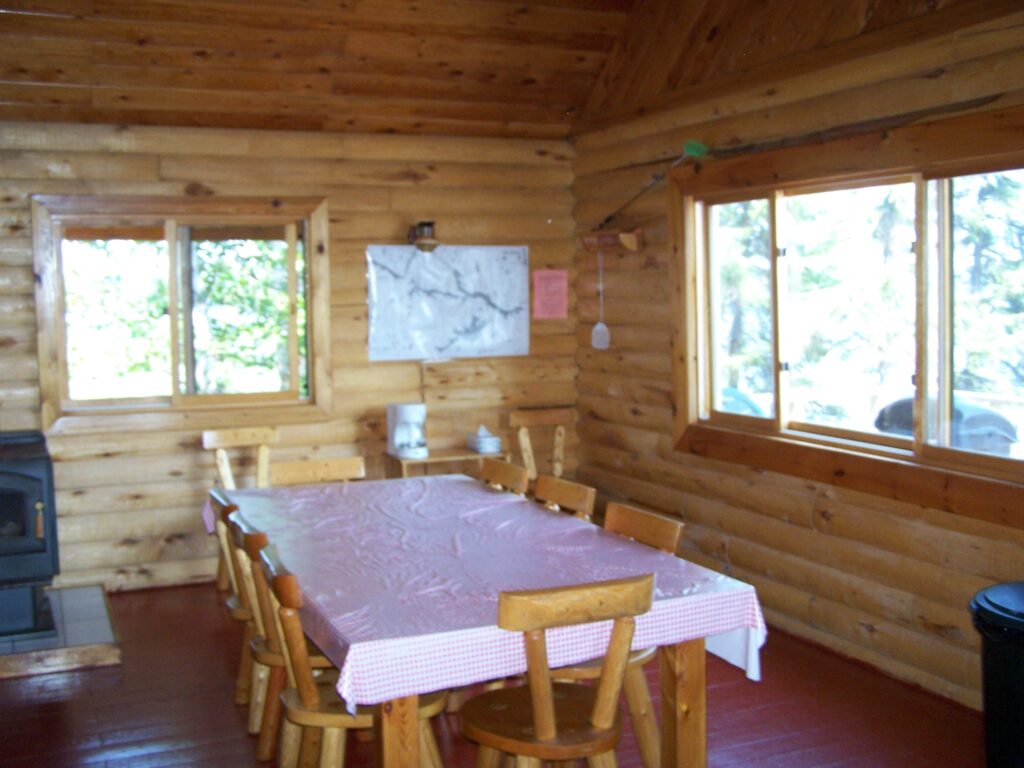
pixel 316 719
pixel 317 471
pixel 258 438
pixel 237 601
pixel 522 721
pixel 558 494
pixel 539 418
pixel 662 533
pixel 504 475
pixel 266 646
pixel 658 531
pixel 218 441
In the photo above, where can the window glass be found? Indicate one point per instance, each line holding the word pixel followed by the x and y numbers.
pixel 987 328
pixel 117 324
pixel 847 296
pixel 741 289
pixel 240 315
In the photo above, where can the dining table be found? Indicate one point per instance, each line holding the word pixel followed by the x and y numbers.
pixel 400 582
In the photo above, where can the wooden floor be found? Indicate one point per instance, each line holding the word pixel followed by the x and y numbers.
pixel 170 704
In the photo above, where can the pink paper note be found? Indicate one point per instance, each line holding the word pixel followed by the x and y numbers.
pixel 550 294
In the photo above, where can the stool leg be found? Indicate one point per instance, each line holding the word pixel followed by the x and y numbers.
pixel 430 754
pixel 244 666
pixel 309 750
pixel 488 758
pixel 271 714
pixel 257 696
pixel 606 760
pixel 332 748
pixel 291 738
pixel 527 762
pixel 641 712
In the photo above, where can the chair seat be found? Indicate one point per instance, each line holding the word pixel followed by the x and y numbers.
pixel 591 670
pixel 333 711
pixel 236 610
pixel 262 654
pixel 503 720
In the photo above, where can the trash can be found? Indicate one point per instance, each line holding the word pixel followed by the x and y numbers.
pixel 998 614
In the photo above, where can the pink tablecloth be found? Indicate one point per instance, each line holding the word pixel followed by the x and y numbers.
pixel 401 579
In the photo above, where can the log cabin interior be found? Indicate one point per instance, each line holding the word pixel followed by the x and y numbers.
pixel 614 139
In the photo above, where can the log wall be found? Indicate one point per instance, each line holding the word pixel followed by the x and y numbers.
pixel 878 580
pixel 128 502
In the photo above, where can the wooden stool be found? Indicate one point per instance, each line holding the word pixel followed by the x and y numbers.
pixel 317 471
pixel 558 494
pixel 316 719
pixel 522 721
pixel 504 475
pixel 663 533
pixel 218 441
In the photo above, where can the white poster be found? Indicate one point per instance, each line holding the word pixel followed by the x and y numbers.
pixel 456 301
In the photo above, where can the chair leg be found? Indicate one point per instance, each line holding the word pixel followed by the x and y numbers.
pixel 456 698
pixel 271 714
pixel 243 680
pixel 332 748
pixel 291 738
pixel 309 750
pixel 257 696
pixel 430 753
pixel 527 762
pixel 222 574
pixel 641 712
pixel 605 760
pixel 488 758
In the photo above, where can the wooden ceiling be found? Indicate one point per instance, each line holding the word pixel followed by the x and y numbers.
pixel 522 68
pixel 470 67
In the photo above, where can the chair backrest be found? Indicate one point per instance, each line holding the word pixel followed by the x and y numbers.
pixel 532 612
pixel 222 508
pixel 504 475
pixel 538 418
pixel 285 602
pixel 260 438
pixel 247 543
pixel 556 493
pixel 648 528
pixel 317 471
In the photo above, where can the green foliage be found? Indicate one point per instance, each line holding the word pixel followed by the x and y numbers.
pixel 118 318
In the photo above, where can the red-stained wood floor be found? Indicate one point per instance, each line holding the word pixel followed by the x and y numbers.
pixel 169 704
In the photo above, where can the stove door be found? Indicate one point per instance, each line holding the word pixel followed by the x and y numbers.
pixel 25 530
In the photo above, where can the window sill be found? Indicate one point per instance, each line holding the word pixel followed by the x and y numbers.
pixel 961 493
pixel 139 420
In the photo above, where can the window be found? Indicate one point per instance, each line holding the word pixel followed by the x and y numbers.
pixel 171 305
pixel 887 313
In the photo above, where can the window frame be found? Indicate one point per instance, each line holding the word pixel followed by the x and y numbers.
pixel 978 485
pixel 51 214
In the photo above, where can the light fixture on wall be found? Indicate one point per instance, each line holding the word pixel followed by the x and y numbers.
pixel 422 236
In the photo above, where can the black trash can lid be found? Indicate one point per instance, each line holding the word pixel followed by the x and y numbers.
pixel 1001 604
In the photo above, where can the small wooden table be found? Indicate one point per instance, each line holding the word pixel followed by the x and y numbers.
pixel 396 467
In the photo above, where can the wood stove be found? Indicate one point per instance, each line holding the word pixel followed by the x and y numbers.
pixel 28 534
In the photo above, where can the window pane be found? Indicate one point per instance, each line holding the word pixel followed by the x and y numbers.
pixel 741 308
pixel 117 323
pixel 849 307
pixel 988 313
pixel 240 319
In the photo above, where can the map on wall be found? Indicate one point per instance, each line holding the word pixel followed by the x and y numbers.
pixel 456 301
